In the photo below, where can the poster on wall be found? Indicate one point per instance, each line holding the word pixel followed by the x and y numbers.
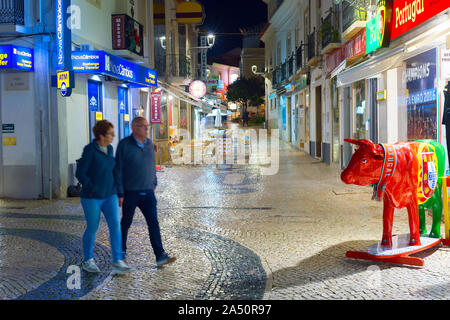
pixel 421 85
pixel 183 115
pixel 161 129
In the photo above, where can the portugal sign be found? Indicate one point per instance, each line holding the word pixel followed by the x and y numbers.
pixel 378 28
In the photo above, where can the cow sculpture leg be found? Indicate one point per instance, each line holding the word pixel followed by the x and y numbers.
pixel 413 217
pixel 437 214
pixel 434 204
pixel 388 217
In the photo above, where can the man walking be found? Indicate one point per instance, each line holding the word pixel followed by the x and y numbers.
pixel 136 182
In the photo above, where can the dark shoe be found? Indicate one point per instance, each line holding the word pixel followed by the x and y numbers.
pixel 165 259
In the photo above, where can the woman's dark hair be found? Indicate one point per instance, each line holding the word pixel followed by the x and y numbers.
pixel 101 128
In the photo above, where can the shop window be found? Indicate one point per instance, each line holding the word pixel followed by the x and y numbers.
pixel 360 110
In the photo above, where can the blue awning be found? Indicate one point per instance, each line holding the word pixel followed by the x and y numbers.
pixel 101 62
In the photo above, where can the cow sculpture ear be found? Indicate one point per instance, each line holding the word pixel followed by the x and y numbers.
pixel 378 152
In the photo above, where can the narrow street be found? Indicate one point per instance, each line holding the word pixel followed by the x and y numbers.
pixel 236 234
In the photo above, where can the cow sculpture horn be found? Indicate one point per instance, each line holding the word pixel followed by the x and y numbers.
pixel 361 142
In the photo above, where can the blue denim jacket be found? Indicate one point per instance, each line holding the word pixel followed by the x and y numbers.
pixel 95 171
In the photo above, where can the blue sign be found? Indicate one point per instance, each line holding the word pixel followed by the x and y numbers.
pixel 123 100
pixel 16 57
pixel 63 36
pixel 108 64
pixel 94 97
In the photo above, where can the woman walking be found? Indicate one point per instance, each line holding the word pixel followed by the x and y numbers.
pixel 99 193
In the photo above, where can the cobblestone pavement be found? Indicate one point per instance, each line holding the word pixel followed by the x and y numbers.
pixel 236 234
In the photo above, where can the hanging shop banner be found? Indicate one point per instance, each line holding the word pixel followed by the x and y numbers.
pixel 63 35
pixel 108 64
pixel 190 13
pixel 353 48
pixel 94 98
pixel 127 34
pixel 408 14
pixel 422 96
pixel 155 98
pixel 122 95
pixel 15 57
pixel 197 89
pixel 378 29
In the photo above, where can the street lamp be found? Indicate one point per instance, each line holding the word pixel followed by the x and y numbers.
pixel 255 70
pixel 163 42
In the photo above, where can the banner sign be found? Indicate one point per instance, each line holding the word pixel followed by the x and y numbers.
pixel 128 34
pixel 420 78
pixel 352 48
pixel 123 100
pixel 94 98
pixel 15 57
pixel 408 14
pixel 108 64
pixel 63 35
pixel 378 31
pixel 156 107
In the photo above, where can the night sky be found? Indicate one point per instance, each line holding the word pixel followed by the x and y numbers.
pixel 227 17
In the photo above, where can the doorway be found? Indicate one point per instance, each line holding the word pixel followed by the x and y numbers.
pixel 319 122
pixel 335 157
pixel 289 121
pixel 347 122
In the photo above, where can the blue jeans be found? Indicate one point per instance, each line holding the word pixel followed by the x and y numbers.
pixel 146 201
pixel 110 209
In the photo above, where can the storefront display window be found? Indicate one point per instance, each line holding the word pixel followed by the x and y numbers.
pixel 359 91
pixel 421 101
pixel 161 130
pixel 335 124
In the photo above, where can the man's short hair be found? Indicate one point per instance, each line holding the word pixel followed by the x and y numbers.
pixel 137 120
pixel 101 128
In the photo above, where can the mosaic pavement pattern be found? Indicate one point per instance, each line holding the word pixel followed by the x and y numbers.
pixel 237 235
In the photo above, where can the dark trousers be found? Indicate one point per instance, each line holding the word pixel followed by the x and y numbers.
pixel 147 203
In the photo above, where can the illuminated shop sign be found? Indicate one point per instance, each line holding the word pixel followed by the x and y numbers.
pixel 15 57
pixel 378 28
pixel 107 64
pixel 63 35
pixel 408 14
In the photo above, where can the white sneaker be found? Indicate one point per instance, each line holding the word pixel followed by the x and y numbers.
pixel 121 268
pixel 90 266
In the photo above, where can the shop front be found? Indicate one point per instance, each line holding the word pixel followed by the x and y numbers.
pixel 21 174
pixel 297 93
pixel 106 88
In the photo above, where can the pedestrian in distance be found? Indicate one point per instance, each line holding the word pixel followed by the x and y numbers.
pixel 95 171
pixel 136 180
pixel 245 119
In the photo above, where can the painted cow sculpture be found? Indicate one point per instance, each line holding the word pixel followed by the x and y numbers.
pixel 405 174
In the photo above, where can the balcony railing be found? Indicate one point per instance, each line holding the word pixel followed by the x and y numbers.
pixel 313 48
pixel 12 12
pixel 184 64
pixel 329 32
pixel 352 14
pixel 299 63
pixel 291 66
